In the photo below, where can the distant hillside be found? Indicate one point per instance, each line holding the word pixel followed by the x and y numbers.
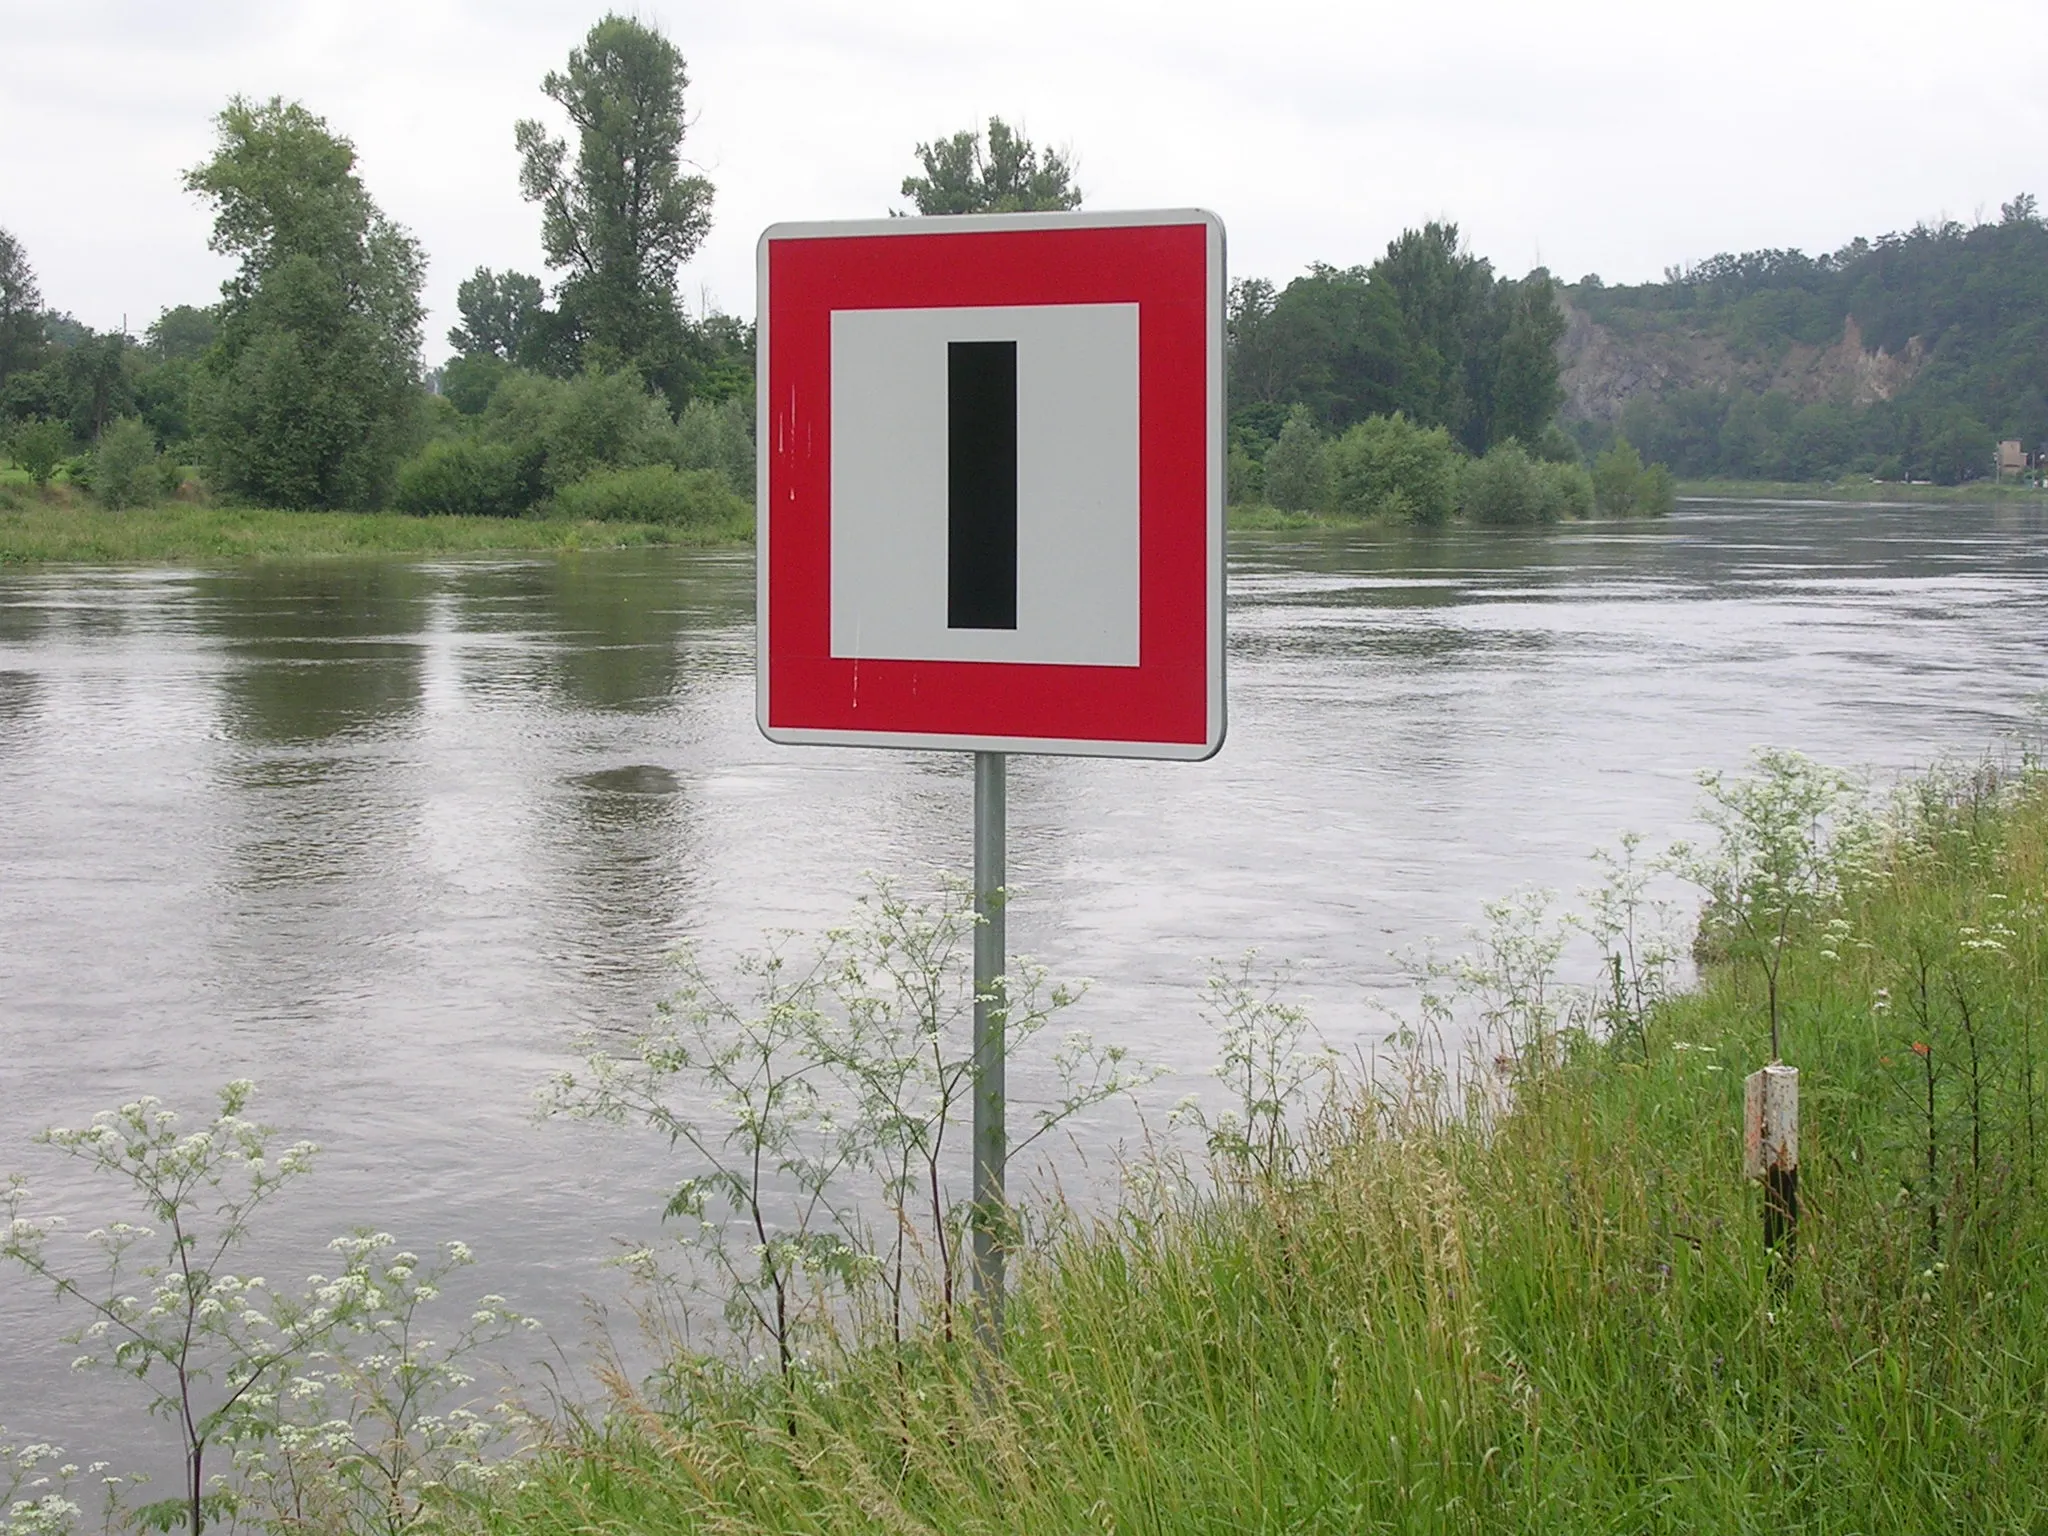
pixel 1904 356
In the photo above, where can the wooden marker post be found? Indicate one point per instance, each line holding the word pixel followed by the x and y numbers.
pixel 1770 1152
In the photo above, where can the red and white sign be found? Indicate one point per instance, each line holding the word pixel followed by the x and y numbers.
pixel 991 483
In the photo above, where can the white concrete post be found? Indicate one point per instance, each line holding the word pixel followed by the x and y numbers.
pixel 1770 1150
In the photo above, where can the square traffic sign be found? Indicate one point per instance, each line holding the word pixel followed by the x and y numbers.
pixel 990 483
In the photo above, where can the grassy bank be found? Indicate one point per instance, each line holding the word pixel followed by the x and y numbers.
pixel 50 530
pixel 1553 1316
pixel 1977 491
pixel 1260 518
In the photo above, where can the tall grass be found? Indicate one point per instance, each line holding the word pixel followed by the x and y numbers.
pixel 1543 1309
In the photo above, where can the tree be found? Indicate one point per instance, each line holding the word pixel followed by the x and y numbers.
pixel 1009 177
pixel 124 464
pixel 1427 331
pixel 1297 467
pixel 498 310
pixel 1332 341
pixel 1526 392
pixel 309 397
pixel 1445 298
pixel 21 310
pixel 1624 486
pixel 623 216
pixel 182 333
pixel 96 378
pixel 1957 448
pixel 1387 466
pixel 39 445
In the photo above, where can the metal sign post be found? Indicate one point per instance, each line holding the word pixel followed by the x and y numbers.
pixel 990 520
pixel 991 1139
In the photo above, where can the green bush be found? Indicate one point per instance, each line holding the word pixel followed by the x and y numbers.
pixel 468 383
pixel 1623 486
pixel 1297 473
pixel 652 493
pixel 1504 490
pixel 572 427
pixel 1246 477
pixel 124 470
pixel 1388 466
pixel 39 445
pixel 1566 489
pixel 1554 445
pixel 718 437
pixel 466 477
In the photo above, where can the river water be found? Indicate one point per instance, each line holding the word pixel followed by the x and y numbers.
pixel 386 837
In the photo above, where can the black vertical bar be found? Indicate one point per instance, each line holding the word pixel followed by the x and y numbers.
pixel 981 485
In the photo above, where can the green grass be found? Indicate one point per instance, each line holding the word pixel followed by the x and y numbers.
pixel 1260 518
pixel 1851 488
pixel 46 529
pixel 1562 1322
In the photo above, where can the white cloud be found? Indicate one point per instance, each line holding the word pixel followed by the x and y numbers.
pixel 1617 138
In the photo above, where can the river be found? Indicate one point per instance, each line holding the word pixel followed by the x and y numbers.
pixel 386 837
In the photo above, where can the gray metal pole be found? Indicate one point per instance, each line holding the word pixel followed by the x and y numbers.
pixel 990 1139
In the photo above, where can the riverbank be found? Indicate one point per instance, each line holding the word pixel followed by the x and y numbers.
pixel 1853 489
pixel 1551 1312
pixel 1261 518
pixel 50 531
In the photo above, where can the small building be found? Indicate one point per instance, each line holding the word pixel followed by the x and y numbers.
pixel 2011 459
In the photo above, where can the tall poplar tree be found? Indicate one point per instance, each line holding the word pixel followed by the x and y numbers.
pixel 622 214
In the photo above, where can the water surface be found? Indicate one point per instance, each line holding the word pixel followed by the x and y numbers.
pixel 386 837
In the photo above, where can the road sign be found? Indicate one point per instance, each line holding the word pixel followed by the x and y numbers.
pixel 991 483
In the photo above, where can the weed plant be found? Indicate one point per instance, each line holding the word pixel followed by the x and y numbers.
pixel 333 1409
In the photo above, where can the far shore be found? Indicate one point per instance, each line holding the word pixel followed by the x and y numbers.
pixel 54 531
pixel 1854 489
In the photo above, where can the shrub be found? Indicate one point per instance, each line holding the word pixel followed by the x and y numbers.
pixel 1297 475
pixel 1246 478
pixel 1388 466
pixel 1566 489
pixel 124 471
pixel 652 493
pixel 1623 486
pixel 467 478
pixel 572 427
pixel 718 437
pixel 39 445
pixel 1554 445
pixel 1504 490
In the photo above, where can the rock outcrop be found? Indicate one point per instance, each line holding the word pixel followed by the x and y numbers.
pixel 1602 369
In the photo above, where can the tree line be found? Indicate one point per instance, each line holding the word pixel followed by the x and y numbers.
pixel 1967 306
pixel 1417 388
pixel 593 390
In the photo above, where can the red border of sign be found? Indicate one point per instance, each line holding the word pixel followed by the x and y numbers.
pixel 1170 266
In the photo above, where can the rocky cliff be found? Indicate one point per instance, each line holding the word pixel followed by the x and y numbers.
pixel 1602 368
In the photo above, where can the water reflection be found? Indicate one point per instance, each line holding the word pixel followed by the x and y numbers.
pixel 319 651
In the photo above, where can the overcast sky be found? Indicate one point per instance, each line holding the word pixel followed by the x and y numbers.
pixel 1588 137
